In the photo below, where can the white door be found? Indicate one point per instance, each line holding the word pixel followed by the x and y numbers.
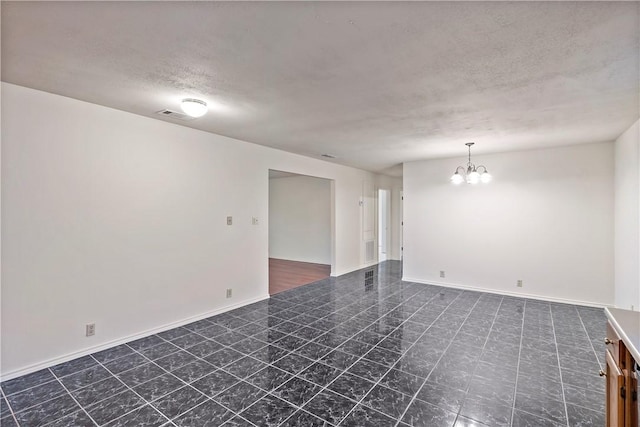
pixel 368 222
pixel 384 216
pixel 401 225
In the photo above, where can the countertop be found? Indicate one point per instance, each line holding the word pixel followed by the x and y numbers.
pixel 627 324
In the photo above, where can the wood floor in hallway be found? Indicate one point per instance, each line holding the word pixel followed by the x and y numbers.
pixel 285 274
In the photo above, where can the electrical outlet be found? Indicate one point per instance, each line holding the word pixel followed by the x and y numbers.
pixel 519 284
pixel 254 221
pixel 442 273
pixel 90 329
pixel 229 291
pixel 229 220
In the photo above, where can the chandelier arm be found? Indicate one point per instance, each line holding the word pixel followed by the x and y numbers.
pixel 472 173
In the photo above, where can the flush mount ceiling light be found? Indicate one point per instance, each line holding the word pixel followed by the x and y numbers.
pixel 472 174
pixel 194 107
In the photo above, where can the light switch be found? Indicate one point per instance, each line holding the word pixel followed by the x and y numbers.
pixel 229 220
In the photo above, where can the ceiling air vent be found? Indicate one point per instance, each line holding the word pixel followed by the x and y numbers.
pixel 174 115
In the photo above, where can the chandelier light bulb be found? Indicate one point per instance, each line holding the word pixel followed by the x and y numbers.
pixel 194 107
pixel 457 179
pixel 473 177
pixel 485 177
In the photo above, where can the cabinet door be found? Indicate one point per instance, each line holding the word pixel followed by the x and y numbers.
pixel 612 341
pixel 631 407
pixel 615 387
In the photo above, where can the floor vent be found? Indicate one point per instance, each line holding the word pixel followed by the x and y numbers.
pixel 174 115
pixel 368 279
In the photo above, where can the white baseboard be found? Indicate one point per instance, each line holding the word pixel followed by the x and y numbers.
pixel 507 293
pixel 347 271
pixel 93 349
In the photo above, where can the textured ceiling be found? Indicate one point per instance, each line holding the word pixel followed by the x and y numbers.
pixel 375 84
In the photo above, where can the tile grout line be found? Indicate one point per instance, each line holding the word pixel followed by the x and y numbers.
pixel 399 420
pixel 590 341
pixel 43 383
pixel 74 399
pixel 421 335
pixel 89 367
pixel 359 358
pixel 466 393
pixel 239 379
pixel 54 380
pixel 185 384
pixel 594 352
pixel 13 415
pixel 132 390
pixel 515 387
pixel 557 353
pixel 56 377
pixel 555 341
pixel 323 388
pixel 208 399
pixel 319 359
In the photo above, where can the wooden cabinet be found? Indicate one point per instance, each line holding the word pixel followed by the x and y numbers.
pixel 621 390
pixel 615 393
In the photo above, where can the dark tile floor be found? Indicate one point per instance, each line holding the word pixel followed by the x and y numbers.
pixel 344 351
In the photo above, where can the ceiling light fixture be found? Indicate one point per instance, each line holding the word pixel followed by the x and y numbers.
pixel 472 173
pixel 194 107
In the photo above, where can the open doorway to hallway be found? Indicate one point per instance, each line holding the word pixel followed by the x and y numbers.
pixel 384 221
pixel 300 230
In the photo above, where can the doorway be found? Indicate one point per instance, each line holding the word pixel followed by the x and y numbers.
pixel 384 219
pixel 401 225
pixel 300 230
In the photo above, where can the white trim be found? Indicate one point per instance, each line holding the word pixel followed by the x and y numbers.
pixel 90 350
pixel 507 293
pixel 365 265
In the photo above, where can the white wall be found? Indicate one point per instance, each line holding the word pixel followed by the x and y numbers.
pixel 394 185
pixel 118 219
pixel 547 219
pixel 300 219
pixel 627 218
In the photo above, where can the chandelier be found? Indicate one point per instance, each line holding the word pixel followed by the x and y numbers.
pixel 472 174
